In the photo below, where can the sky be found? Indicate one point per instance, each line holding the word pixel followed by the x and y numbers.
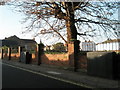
pixel 10 24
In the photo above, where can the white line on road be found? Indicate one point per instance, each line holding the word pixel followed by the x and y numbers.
pixel 53 72
pixel 67 81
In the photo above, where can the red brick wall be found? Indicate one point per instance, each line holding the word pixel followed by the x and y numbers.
pixel 14 56
pixel 34 58
pixel 63 60
pixel 55 59
pixel 82 62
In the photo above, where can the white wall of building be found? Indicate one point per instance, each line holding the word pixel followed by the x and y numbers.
pixel 88 46
pixel 108 46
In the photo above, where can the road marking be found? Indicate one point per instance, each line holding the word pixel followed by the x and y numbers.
pixel 53 72
pixel 67 81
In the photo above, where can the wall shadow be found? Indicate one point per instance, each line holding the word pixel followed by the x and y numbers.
pixel 103 64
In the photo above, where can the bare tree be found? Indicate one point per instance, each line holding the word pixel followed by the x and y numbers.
pixel 82 18
pixel 2 2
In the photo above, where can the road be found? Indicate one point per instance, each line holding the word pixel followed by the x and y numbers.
pixel 16 78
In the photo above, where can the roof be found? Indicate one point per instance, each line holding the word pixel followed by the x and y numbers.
pixel 15 41
pixel 28 40
pixel 12 37
pixel 110 40
pixel 88 41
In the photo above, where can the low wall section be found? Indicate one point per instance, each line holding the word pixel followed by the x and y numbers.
pixel 55 59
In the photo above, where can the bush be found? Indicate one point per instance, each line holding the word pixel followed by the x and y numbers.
pixel 59 47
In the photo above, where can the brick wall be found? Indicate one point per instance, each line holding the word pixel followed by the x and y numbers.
pixel 63 60
pixel 82 62
pixel 34 58
pixel 55 59
pixel 15 56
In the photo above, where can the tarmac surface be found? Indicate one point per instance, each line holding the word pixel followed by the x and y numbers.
pixel 77 78
pixel 13 77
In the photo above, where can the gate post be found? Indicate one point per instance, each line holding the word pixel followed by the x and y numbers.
pixel 2 51
pixel 19 51
pixel 40 52
pixel 9 53
pixel 73 49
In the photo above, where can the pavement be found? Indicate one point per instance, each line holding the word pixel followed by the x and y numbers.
pixel 78 78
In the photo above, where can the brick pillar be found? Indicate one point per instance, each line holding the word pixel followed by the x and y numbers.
pixel 37 54
pixel 2 51
pixel 9 53
pixel 40 51
pixel 73 49
pixel 19 51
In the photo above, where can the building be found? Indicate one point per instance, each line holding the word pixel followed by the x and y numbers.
pixel 109 45
pixel 14 41
pixel 88 46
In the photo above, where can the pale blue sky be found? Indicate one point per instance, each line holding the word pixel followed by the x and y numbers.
pixel 10 25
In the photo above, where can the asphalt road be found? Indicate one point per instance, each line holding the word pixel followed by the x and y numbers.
pixel 17 78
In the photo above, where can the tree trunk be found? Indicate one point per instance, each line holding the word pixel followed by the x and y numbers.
pixel 70 24
pixel 71 30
